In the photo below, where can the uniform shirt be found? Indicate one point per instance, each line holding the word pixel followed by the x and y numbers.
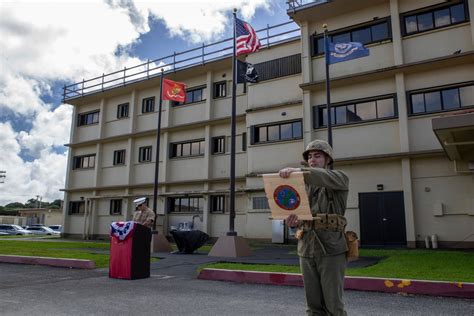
pixel 327 193
pixel 142 216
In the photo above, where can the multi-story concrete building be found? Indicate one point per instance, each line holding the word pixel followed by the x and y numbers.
pixel 402 128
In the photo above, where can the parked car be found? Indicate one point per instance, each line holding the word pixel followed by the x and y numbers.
pixel 42 230
pixel 56 228
pixel 11 229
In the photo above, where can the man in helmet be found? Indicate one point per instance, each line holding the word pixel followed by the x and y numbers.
pixel 321 242
pixel 143 214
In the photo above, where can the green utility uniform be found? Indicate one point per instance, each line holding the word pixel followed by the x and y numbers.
pixel 322 247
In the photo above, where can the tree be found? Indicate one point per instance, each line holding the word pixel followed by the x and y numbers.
pixel 15 205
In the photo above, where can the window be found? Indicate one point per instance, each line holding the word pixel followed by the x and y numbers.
pixel 374 32
pixel 356 111
pixel 88 118
pixel 277 68
pixel 218 145
pixel 260 203
pixel 217 204
pixel 277 132
pixel 188 204
pixel 119 157
pixel 434 18
pixel 148 105
pixel 144 154
pixel 83 162
pixel 77 207
pixel 187 149
pixel 193 95
pixel 244 141
pixel 442 99
pixel 122 110
pixel 116 207
pixel 220 89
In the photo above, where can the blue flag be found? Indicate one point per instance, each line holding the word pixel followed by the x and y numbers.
pixel 345 51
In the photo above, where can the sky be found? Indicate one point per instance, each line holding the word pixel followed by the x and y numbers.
pixel 47 44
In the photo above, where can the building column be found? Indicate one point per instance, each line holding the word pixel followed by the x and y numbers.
pixel 206 218
pixel 209 95
pixel 131 112
pixel 307 118
pixel 70 155
pixel 98 165
pixel 102 109
pixel 406 163
pixel 396 33
pixel 471 15
pixel 306 59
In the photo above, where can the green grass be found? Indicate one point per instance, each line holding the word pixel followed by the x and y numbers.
pixel 437 265
pixel 71 250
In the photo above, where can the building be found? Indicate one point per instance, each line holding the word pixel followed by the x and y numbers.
pixel 402 128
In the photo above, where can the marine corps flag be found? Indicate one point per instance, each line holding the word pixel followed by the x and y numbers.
pixel 174 91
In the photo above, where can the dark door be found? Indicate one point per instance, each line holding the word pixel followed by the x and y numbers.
pixel 382 219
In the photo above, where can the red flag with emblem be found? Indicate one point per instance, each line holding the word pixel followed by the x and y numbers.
pixel 174 91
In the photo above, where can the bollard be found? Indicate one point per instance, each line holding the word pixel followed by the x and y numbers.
pixel 427 242
pixel 434 241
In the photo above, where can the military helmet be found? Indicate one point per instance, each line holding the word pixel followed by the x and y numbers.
pixel 320 145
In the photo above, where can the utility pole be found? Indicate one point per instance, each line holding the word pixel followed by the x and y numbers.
pixel 38 201
pixel 2 176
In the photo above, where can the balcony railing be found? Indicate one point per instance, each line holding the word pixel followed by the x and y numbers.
pixel 294 5
pixel 269 36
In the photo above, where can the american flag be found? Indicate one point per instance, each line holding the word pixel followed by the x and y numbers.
pixel 246 38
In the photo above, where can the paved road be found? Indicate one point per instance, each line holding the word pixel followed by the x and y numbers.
pixel 36 290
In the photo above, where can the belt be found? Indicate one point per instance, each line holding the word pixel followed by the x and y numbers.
pixel 325 222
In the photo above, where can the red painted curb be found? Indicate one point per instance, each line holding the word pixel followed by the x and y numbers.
pixel 54 262
pixel 434 288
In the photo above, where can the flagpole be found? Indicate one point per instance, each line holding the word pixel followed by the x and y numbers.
pixel 231 231
pixel 157 157
pixel 328 90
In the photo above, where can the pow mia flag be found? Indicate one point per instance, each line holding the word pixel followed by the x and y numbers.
pixel 246 72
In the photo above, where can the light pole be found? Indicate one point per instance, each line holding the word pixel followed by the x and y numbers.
pixel 2 176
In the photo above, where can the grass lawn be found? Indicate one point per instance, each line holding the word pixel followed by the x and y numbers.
pixel 438 265
pixel 66 249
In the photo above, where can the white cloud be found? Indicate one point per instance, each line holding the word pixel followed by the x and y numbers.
pixel 43 176
pixel 201 21
pixel 44 42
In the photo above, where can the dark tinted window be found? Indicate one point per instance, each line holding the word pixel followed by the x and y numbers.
pixel 443 99
pixel 277 132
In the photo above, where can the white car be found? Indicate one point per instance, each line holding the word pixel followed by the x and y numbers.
pixel 13 230
pixel 42 230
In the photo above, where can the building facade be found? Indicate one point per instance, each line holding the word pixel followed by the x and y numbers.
pixel 405 184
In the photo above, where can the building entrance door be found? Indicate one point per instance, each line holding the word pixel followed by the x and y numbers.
pixel 382 219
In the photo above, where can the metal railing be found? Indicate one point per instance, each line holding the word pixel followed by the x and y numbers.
pixel 273 35
pixel 293 5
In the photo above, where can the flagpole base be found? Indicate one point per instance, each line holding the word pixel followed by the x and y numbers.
pixel 232 246
pixel 159 243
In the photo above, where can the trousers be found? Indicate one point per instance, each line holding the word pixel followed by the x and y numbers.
pixel 323 278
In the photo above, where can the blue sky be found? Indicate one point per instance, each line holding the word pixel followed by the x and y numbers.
pixel 47 44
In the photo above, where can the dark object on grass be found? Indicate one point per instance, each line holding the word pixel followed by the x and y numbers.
pixel 189 241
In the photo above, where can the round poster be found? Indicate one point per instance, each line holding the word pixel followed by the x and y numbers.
pixel 286 197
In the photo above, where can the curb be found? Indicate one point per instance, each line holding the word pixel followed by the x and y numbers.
pixel 419 287
pixel 45 261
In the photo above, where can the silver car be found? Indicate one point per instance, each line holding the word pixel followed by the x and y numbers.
pixel 42 230
pixel 11 229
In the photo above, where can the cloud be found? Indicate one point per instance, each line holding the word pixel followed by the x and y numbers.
pixel 43 176
pixel 201 21
pixel 45 43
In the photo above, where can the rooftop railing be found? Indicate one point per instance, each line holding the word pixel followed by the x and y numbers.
pixel 294 5
pixel 269 36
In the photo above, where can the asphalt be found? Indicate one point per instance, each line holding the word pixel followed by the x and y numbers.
pixel 186 265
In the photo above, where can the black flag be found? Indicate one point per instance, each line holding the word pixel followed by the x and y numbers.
pixel 246 72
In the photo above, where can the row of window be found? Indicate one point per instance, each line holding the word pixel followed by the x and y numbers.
pixel 377 108
pixel 182 149
pixel 178 204
pixel 412 22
